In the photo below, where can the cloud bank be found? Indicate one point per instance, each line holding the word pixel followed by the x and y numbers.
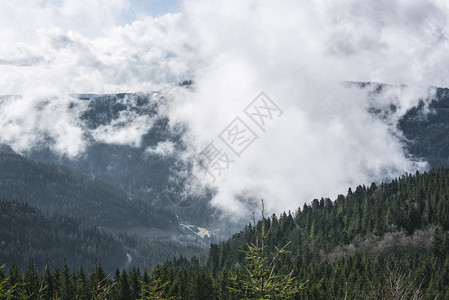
pixel 297 52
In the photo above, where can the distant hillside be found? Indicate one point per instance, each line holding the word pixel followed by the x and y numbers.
pixel 54 188
pixel 355 239
pixel 424 127
pixel 427 130
pixel 29 235
pixel 142 171
pixel 387 241
pixel 137 169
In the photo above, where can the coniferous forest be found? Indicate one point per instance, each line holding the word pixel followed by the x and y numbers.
pixel 387 241
pixel 224 149
pixel 67 235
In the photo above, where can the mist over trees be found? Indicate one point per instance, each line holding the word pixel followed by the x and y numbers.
pixel 375 241
pixel 371 243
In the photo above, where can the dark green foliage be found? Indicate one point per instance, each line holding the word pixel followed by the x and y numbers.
pixel 424 127
pixel 124 289
pixel 154 288
pixel 426 130
pixel 258 279
pixel 7 286
pixel 56 189
pixel 374 243
pixel 352 242
pixel 31 284
pixel 134 283
pixel 130 167
pixel 27 234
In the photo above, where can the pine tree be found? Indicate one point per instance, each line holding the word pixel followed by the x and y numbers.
pixel 65 284
pixel 201 285
pixel 154 290
pixel 81 286
pixel 124 290
pixel 100 286
pixel 15 283
pixel 7 289
pixel 134 283
pixel 260 280
pixel 46 288
pixel 31 282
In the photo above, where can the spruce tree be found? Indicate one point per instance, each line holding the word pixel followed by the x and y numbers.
pixel 259 280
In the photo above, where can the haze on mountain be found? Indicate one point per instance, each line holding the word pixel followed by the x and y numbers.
pixel 114 114
pixel 298 53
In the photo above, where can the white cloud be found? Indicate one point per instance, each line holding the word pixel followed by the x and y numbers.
pixel 298 52
pixel 163 149
pixel 127 129
pixel 29 121
pixel 49 51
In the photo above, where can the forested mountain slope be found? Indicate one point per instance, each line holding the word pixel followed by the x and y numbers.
pixel 424 127
pixel 350 247
pixel 147 167
pixel 55 188
pixel 427 130
pixel 355 238
pixel 130 144
pixel 28 235
pixel 375 242
pixel 356 247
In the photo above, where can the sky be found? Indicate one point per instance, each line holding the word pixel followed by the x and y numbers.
pixel 142 8
pixel 297 52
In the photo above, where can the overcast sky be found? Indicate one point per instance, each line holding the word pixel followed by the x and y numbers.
pixel 297 52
